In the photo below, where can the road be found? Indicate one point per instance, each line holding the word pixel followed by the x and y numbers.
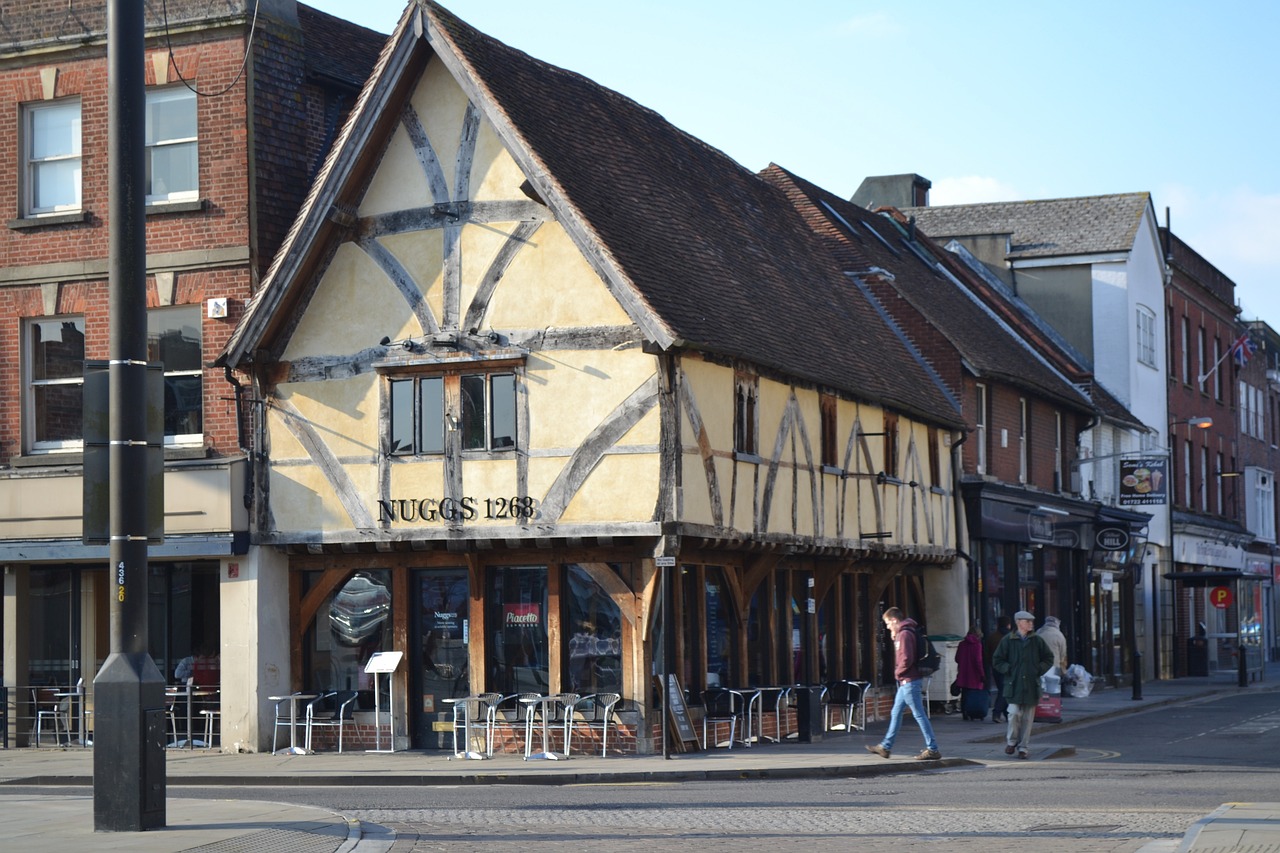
pixel 1136 783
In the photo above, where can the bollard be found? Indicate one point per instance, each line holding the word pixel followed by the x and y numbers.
pixel 1137 675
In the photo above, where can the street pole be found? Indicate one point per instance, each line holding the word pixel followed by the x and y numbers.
pixel 128 762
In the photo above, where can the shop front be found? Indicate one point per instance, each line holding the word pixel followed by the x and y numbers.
pixel 1059 557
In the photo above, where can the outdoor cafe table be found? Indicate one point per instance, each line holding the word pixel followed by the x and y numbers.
pixel 294 699
pixel 191 692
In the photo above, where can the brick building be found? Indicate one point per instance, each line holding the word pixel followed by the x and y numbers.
pixel 242 100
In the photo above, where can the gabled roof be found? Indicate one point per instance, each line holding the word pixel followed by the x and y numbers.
pixel 1089 225
pixel 701 252
pixel 923 275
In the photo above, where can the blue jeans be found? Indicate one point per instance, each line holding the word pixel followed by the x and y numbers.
pixel 909 696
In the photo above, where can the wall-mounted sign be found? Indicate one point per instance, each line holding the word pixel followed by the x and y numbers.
pixel 1142 481
pixel 520 616
pixel 1112 539
pixel 1221 597
pixel 411 510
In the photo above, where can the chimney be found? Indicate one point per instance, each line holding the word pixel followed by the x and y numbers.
pixel 898 191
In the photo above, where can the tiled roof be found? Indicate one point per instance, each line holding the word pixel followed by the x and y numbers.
pixel 1048 228
pixel 713 256
pixel 863 241
pixel 715 252
pixel 337 48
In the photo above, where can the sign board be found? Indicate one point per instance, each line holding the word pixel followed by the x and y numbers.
pixel 665 562
pixel 1221 597
pixel 1112 539
pixel 678 710
pixel 1143 481
pixel 383 662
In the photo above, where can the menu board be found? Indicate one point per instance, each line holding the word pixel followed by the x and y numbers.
pixel 678 710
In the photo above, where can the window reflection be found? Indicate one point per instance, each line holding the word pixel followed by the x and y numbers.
pixel 595 636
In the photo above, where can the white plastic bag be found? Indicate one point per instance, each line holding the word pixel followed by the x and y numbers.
pixel 1080 681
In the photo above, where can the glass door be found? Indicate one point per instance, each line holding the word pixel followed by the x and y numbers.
pixel 440 656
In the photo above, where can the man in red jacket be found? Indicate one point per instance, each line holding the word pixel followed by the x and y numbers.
pixel 909 684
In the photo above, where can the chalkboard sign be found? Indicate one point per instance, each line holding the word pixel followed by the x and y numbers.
pixel 678 710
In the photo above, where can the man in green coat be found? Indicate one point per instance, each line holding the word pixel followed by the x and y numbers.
pixel 1022 657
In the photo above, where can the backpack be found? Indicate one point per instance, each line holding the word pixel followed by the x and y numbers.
pixel 928 661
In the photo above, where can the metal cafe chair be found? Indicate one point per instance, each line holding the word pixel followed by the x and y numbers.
pixel 721 706
pixel 46 707
pixel 594 711
pixel 332 711
pixel 845 697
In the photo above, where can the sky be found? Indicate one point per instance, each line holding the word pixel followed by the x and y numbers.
pixel 990 100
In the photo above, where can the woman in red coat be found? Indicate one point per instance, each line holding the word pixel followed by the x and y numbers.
pixel 971 679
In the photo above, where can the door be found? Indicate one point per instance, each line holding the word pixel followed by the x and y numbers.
pixel 440 657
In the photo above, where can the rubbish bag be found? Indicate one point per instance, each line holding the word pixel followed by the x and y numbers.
pixel 1079 681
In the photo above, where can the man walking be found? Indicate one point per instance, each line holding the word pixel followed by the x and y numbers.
pixel 909 681
pixel 1022 657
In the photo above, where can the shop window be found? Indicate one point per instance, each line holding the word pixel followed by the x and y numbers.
pixel 593 625
pixel 720 633
pixel 51 147
pixel 184 621
pixel 53 622
pixel 516 617
pixel 353 624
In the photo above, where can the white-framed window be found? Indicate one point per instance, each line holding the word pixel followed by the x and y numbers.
pixel 1217 373
pixel 1204 479
pixel 1146 336
pixel 421 415
pixel 53 349
pixel 174 341
pixel 1222 507
pixel 1186 350
pixel 1261 508
pixel 51 156
pixel 980 429
pixel 172 149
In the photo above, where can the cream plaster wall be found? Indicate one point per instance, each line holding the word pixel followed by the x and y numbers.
pixel 421 253
pixel 353 308
pixel 620 488
pixel 254 616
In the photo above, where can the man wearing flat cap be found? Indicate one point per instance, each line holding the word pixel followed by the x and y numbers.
pixel 1022 657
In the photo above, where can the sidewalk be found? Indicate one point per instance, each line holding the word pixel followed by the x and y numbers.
pixel 56 822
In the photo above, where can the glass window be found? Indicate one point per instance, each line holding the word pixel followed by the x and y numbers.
pixel 720 633
pixel 353 624
pixel 516 617
pixel 1146 336
pixel 487 420
pixel 55 355
pixel 52 145
pixel 747 390
pixel 171 145
pixel 173 340
pixel 980 429
pixel 594 628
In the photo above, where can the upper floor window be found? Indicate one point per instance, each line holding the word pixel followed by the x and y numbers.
pixel 54 354
pixel 980 429
pixel 1024 429
pixel 51 152
pixel 745 423
pixel 1186 350
pixel 173 340
pixel 484 416
pixel 1146 336
pixel 890 444
pixel 827 412
pixel 171 145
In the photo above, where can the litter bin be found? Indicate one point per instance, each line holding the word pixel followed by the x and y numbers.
pixel 1049 708
pixel 809 727
pixel 1197 656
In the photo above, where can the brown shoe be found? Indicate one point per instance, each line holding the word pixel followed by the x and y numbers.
pixel 929 755
pixel 1008 750
pixel 878 750
pixel 1022 753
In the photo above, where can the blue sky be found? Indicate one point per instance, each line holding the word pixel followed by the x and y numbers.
pixel 990 101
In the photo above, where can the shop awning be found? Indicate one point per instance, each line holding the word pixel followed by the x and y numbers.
pixel 1208 578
